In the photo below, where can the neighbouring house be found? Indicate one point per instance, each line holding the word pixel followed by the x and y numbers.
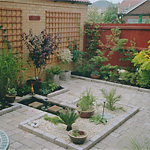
pixel 102 5
pixel 65 17
pixel 135 11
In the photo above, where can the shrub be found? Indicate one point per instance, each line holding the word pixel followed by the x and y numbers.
pixel 40 47
pixel 142 62
pixel 67 118
pixel 11 68
pixel 86 100
pixel 111 99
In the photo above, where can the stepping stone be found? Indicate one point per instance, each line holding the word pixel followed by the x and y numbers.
pixel 36 104
pixel 54 109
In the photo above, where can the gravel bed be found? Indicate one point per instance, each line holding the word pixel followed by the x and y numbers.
pixel 83 124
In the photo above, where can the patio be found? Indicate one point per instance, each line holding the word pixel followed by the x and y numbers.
pixel 136 127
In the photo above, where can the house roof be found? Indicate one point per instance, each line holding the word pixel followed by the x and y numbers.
pixel 136 6
pixel 126 5
pixel 74 1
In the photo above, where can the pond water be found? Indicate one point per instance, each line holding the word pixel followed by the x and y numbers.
pixel 43 104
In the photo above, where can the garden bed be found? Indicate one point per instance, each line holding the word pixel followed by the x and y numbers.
pixel 112 83
pixel 13 106
pixel 58 134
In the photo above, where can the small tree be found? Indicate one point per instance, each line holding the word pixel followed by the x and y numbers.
pixel 110 15
pixel 94 16
pixel 40 47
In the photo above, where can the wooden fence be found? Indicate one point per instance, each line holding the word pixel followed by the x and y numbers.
pixel 138 32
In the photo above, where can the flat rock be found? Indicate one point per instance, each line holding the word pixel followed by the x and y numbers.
pixel 36 104
pixel 54 109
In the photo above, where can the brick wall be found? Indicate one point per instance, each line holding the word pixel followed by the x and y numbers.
pixel 38 8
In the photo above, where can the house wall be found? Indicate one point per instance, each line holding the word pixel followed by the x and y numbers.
pixel 142 9
pixel 39 8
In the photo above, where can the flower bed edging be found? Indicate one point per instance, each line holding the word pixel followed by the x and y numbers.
pixel 91 142
pixel 10 109
pixel 112 83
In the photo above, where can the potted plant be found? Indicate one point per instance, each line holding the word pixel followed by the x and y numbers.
pixel 10 97
pixel 77 136
pixel 68 118
pixel 85 104
pixel 54 73
pixel 65 56
pixel 95 74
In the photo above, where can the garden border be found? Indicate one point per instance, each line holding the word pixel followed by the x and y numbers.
pixel 112 83
pixel 10 109
pixel 95 139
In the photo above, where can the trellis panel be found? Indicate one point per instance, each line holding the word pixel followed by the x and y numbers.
pixel 11 20
pixel 67 25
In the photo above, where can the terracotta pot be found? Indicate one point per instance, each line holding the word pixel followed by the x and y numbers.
pixel 86 114
pixel 95 77
pixel 10 99
pixel 78 139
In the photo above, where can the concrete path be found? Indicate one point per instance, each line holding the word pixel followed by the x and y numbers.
pixel 137 127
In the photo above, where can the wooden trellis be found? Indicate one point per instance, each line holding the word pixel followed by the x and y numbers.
pixel 67 25
pixel 11 20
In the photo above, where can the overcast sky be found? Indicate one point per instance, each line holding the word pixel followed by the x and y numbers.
pixel 113 1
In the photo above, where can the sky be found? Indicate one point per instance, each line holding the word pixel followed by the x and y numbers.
pixel 113 1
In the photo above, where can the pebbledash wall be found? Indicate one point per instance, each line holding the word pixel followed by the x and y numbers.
pixel 66 18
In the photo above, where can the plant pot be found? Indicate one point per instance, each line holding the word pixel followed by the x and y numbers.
pixel 94 76
pixel 78 139
pixel 55 79
pixel 32 81
pixel 65 75
pixel 86 114
pixel 10 98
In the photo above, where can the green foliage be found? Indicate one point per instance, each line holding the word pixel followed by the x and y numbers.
pixel 85 68
pixel 53 86
pixel 77 54
pixel 108 72
pixel 142 63
pixel 40 47
pixel 111 99
pixel 93 16
pixel 143 79
pixel 23 90
pixel 140 145
pixel 11 68
pixel 110 15
pixel 142 59
pixel 67 118
pixel 113 40
pixel 47 87
pixel 99 59
pixel 75 132
pixel 12 91
pixel 53 70
pixel 95 73
pixel 115 43
pixel 86 100
pixel 44 91
pixel 97 119
pixel 127 77
pixel 93 35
